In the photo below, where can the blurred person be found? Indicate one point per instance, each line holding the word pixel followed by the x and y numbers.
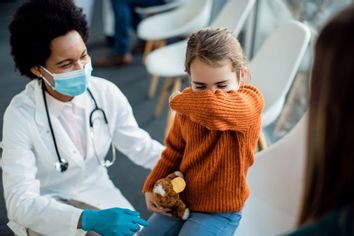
pixel 125 18
pixel 107 17
pixel 328 201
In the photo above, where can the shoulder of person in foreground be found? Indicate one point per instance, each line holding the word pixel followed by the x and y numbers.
pixel 336 222
pixel 25 98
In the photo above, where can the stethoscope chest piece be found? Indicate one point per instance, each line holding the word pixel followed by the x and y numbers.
pixel 61 165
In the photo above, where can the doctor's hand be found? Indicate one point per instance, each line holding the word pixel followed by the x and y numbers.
pixel 154 207
pixel 113 221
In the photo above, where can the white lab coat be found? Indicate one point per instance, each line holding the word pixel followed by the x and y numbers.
pixel 32 186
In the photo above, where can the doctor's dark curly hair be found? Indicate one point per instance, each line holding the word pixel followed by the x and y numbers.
pixel 35 24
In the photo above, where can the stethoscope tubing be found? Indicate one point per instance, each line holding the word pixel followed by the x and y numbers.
pixel 62 165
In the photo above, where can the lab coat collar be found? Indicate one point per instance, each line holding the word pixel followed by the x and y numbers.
pixel 40 114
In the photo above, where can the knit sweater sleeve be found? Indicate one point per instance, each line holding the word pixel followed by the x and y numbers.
pixel 170 158
pixel 234 110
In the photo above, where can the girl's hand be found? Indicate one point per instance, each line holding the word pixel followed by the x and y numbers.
pixel 152 205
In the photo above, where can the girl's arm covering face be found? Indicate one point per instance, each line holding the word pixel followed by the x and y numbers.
pixel 235 110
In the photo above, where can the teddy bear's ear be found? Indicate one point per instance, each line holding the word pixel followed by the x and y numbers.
pixel 178 184
pixel 178 173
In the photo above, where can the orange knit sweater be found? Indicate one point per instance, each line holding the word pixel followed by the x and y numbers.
pixel 212 142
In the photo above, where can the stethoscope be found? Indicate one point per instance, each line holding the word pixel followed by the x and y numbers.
pixel 62 165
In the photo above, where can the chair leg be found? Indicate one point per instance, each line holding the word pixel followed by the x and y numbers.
pixel 161 43
pixel 163 97
pixel 171 113
pixel 148 48
pixel 262 143
pixel 170 118
pixel 151 45
pixel 153 86
pixel 177 85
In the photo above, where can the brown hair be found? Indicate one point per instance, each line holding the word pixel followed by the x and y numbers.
pixel 213 46
pixel 329 182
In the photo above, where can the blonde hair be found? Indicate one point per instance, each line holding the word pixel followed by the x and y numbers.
pixel 214 46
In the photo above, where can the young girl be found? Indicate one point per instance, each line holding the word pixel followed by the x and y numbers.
pixel 212 141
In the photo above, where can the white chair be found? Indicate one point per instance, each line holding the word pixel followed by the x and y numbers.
pixel 276 184
pixel 168 61
pixel 108 18
pixel 179 22
pixel 148 11
pixel 274 66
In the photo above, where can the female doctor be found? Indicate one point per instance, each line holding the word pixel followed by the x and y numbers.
pixel 58 130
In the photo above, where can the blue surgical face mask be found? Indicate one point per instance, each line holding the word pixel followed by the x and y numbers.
pixel 72 83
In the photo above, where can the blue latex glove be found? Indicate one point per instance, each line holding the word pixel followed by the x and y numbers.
pixel 113 221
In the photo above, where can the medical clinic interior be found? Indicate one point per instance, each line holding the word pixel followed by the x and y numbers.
pixel 176 117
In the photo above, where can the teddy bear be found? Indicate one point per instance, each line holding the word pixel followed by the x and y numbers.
pixel 166 192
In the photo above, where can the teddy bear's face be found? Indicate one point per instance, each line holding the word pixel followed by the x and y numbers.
pixel 164 194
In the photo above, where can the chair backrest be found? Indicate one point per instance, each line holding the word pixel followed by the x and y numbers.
pixel 274 66
pixel 108 18
pixel 182 21
pixel 233 15
pixel 146 11
pixel 276 184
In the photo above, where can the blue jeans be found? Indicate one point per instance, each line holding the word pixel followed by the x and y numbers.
pixel 198 223
pixel 125 18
